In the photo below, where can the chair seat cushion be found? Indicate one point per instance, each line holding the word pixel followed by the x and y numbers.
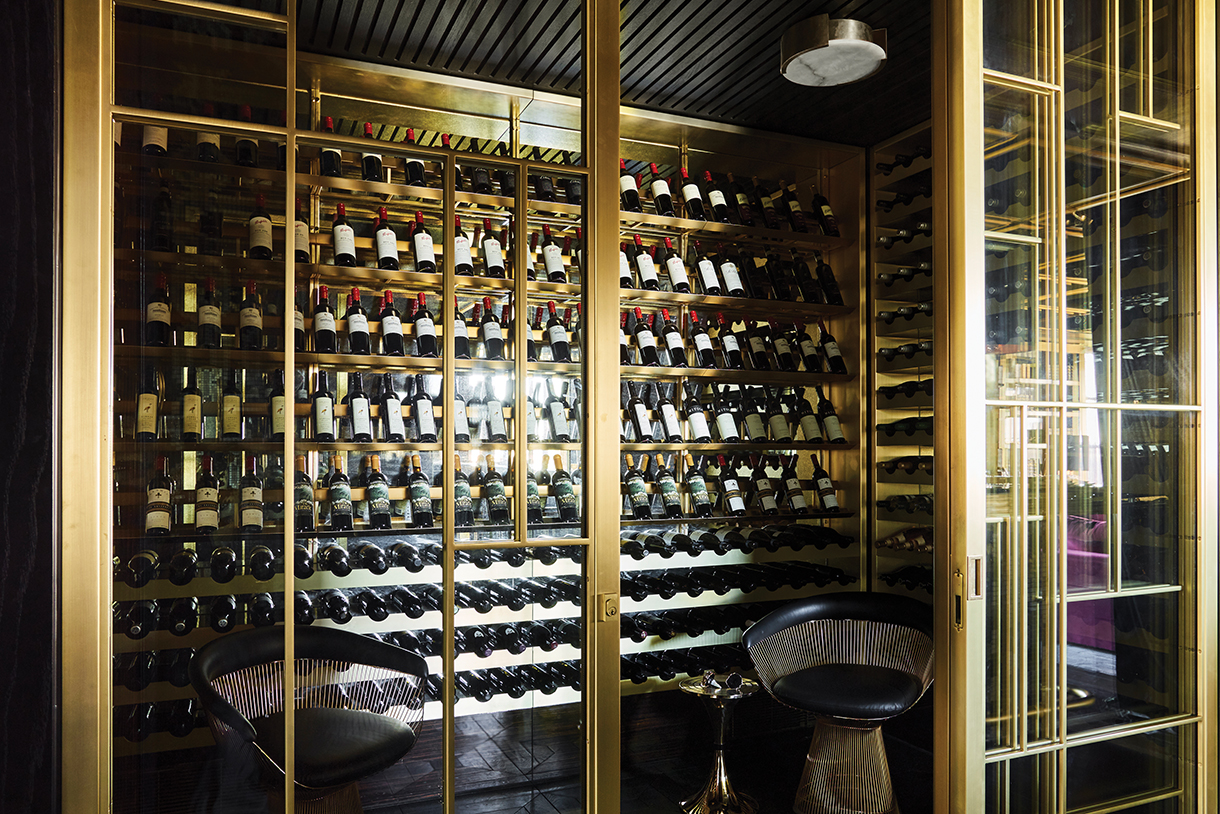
pixel 853 691
pixel 335 747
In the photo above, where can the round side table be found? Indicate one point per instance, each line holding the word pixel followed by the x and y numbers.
pixel 717 795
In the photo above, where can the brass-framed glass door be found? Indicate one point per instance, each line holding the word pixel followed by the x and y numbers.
pixel 1084 224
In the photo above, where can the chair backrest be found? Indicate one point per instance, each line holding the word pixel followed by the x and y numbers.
pixel 859 606
pixel 240 676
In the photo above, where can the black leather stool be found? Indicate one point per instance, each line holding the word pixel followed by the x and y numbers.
pixel 854 660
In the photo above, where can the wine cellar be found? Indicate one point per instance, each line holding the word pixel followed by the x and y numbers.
pixel 843 367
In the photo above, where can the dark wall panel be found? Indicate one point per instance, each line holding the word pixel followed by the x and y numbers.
pixel 29 97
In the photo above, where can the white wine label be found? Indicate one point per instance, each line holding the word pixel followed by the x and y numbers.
pixel 157 312
pixel 716 197
pixel 660 187
pixel 207 508
pixel 361 423
pixel 552 258
pixel 460 328
pixel 809 349
pixel 834 430
pixel 461 251
pixel 357 324
pixel 207 138
pixel 493 254
pixel 832 349
pixel 192 414
pixel 647 269
pixel 626 183
pixel 393 410
pixel 757 345
pixel 250 318
pixel 827 211
pixel 732 280
pixel 424 417
pixel 673 341
pixel 251 506
pixel 157 512
pixel 669 417
pixel 324 321
pixel 156 136
pixel 531 422
pixel 645 339
pixel 754 426
pixel 677 271
pixel 559 417
pixel 622 339
pixel 491 331
pixel 729 340
pixel 766 495
pixel 209 315
pixel 298 321
pixel 768 202
pixel 324 415
pixel 391 326
pixel 794 205
pixel 230 415
pixel 642 419
pixel 742 200
pixel 690 192
pixel 703 342
pixel 345 239
pixel 637 491
pixel 810 429
pixel 300 233
pixel 279 406
pixel 557 334
pixel 624 268
pixel 260 231
pixel 495 418
pixel 727 426
pixel 782 347
pixel 779 428
pixel 826 491
pixel 424 327
pixel 422 241
pixel 707 273
pixel 387 244
pixel 698 426
pixel 732 495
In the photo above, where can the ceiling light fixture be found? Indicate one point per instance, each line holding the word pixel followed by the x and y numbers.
pixel 821 51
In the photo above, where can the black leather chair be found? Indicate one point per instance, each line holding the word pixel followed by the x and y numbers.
pixel 853 660
pixel 358 706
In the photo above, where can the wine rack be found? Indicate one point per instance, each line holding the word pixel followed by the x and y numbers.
pixel 901 295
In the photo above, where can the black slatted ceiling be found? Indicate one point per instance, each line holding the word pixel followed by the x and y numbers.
pixel 715 59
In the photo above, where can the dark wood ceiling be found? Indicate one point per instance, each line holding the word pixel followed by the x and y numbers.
pixel 714 59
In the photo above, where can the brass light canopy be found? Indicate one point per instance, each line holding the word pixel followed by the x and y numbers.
pixel 822 52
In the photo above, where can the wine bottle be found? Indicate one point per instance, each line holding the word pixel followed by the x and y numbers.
pixel 386 241
pixel 764 489
pixel 557 415
pixel 207 143
pixel 826 279
pixel 339 498
pixel 377 496
pixel 323 411
pixel 637 490
pixel 675 345
pixel 741 200
pixel 495 495
pixel 304 509
pixel 158 504
pixel 247 147
pixel 692 198
pixel 756 280
pixel 415 167
pixel 332 158
pixel 780 276
pixel 829 418
pixel 629 194
pixel 730 274
pixel 250 320
pixel 707 272
pixel 192 410
pixel 231 423
pixel 300 236
pixel 757 339
pixel 157 332
pixel 753 414
pixel 208 312
pixel 825 487
pixel 492 333
pixel 461 333
pixel 493 252
pixel 302 608
pixel 792 208
pixel 393 428
pixel 392 342
pixel 830 348
pixel 370 163
pixel 344 238
pixel 463 505
pixel 726 420
pixel 564 491
pixel 222 614
pixel 704 357
pixel 785 359
pixel 668 413
pixel 497 429
pixel 824 215
pixel 358 339
pixel 426 345
pixel 646 267
pixel 359 416
pixel 696 418
pixel 259 230
pixel 645 341
pixel 531 273
pixel 533 498
pixel 637 413
pixel 250 508
pixel 662 199
pixel 678 279
pixel 807 347
pixel 663 478
pixel 552 257
pixel 557 336
pixel 277 408
pixel 715 197
pixel 324 333
pixel 162 237
pixel 507 326
pixel 422 408
pixel 422 249
pixel 183 615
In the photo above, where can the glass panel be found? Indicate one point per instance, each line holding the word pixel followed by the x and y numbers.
pixel 1113 770
pixel 1023 785
pixel 1157 466
pixel 1041 469
pixel 1123 657
pixel 1011 42
pixel 1090 472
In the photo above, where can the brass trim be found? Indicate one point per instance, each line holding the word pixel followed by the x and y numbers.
pixel 218 12
pixel 289 575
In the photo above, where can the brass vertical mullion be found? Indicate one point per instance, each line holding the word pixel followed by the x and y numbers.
pixel 1021 597
pixel 289 468
pixel 448 531
pixel 521 330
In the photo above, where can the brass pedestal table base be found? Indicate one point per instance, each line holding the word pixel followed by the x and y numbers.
pixel 717 795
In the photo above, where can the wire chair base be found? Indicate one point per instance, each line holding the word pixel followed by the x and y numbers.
pixel 846 772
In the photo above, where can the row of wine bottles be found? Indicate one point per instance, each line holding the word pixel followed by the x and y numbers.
pixel 789 344
pixel 738 414
pixel 917 539
pixel 735 272
pixel 728 202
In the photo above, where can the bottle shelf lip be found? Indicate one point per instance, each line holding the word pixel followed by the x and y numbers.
pixel 793 379
pixel 775 309
pixel 749 519
pixel 886 183
pixel 632 222
pixel 277 536
pixel 731 448
pixel 232 358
